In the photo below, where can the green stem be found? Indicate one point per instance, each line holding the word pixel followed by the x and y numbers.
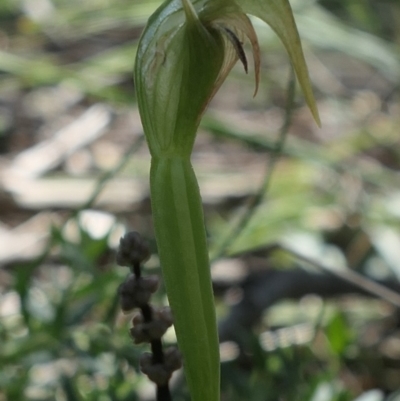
pixel 182 247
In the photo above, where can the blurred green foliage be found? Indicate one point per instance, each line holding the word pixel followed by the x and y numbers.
pixel 65 338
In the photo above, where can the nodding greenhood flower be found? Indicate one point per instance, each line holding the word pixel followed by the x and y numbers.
pixel 185 53
pixel 183 57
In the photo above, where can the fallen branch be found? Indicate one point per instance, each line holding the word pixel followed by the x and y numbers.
pixel 263 288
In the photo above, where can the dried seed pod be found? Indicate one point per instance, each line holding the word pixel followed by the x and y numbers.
pixel 157 373
pixel 148 331
pixel 136 292
pixel 160 373
pixel 151 283
pixel 133 249
pixel 172 359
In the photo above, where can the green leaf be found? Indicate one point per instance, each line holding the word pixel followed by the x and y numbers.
pixel 279 16
pixel 338 333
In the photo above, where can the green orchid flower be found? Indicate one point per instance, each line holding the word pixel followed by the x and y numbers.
pixel 186 51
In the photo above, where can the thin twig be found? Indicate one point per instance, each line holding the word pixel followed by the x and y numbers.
pixel 351 276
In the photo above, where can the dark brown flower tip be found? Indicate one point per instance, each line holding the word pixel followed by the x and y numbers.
pixel 238 46
pixel 133 249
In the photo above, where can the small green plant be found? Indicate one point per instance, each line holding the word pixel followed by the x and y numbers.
pixel 185 53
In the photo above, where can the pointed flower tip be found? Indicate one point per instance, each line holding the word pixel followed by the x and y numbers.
pixel 236 28
pixel 189 10
pixel 315 114
pixel 311 103
pixel 257 78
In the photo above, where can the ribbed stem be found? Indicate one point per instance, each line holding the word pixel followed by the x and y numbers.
pixel 182 247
